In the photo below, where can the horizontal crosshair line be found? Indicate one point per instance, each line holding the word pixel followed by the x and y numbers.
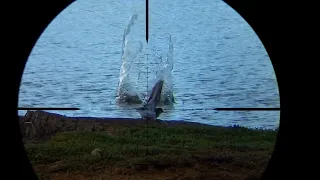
pixel 195 109
pixel 247 109
pixel 48 108
pixel 234 109
pixel 148 63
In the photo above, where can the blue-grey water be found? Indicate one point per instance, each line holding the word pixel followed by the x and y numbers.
pixel 218 61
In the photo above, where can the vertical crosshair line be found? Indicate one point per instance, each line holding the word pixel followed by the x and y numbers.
pixel 147 96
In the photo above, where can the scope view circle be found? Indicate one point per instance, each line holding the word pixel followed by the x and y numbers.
pixel 95 57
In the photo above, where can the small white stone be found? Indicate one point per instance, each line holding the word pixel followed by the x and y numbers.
pixel 97 153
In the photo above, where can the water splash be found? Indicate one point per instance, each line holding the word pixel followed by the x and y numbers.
pixel 134 82
pixel 164 72
pixel 127 90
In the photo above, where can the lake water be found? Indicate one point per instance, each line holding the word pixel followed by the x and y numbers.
pixel 218 61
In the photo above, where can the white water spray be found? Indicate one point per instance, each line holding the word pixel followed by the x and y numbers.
pixel 133 78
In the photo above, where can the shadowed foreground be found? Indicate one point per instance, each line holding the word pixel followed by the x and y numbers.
pixel 61 147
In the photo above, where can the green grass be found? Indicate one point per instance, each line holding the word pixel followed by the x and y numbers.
pixel 182 145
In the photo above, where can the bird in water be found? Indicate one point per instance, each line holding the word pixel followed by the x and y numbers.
pixel 150 111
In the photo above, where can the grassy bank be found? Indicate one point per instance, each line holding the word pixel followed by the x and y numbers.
pixel 157 152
